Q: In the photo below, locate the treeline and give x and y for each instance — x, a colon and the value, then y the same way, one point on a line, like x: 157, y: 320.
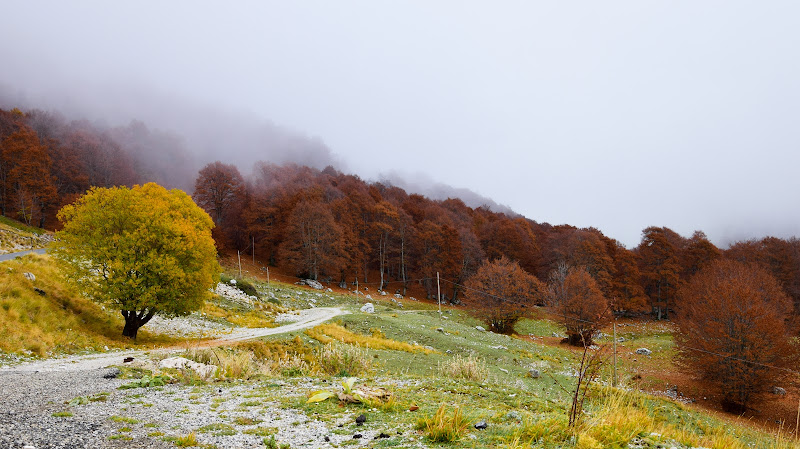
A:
x: 337, y: 227
x: 47, y: 161
x: 328, y: 225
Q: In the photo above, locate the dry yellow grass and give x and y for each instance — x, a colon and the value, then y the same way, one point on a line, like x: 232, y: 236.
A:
x: 58, y: 320
x: 326, y: 333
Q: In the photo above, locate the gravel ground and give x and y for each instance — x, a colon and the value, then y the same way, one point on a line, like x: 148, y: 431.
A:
x: 226, y: 415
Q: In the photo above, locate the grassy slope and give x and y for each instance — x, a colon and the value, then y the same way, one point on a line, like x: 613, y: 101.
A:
x: 58, y: 321
x: 521, y: 411
x: 15, y: 236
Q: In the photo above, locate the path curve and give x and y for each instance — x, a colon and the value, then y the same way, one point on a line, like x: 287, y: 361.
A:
x: 10, y: 256
x: 307, y: 318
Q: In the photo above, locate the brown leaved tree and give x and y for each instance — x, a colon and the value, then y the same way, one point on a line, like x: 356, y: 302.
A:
x: 578, y: 301
x: 732, y: 331
x: 502, y: 292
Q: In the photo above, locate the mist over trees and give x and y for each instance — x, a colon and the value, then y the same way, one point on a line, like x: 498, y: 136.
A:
x: 382, y: 233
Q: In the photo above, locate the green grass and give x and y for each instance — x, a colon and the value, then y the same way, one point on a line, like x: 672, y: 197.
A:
x: 19, y: 226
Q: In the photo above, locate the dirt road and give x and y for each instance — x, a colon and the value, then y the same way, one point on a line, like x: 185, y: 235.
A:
x: 306, y: 318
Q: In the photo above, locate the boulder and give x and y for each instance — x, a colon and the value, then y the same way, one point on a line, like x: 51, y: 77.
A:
x: 29, y: 276
x: 534, y: 373
x: 233, y: 281
x: 368, y: 297
x: 201, y: 369
x: 313, y: 284
x: 779, y: 391
x: 644, y: 351
x: 481, y: 425
x: 368, y: 308
x: 480, y: 329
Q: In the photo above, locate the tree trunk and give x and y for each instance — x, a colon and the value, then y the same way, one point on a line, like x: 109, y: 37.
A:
x: 134, y: 320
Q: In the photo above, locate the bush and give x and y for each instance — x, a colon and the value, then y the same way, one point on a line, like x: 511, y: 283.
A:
x: 243, y: 285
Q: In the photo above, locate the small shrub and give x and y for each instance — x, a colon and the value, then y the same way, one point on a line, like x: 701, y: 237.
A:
x: 186, y: 440
x: 444, y: 428
x: 62, y: 414
x: 147, y: 381
x: 343, y: 360
x: 469, y: 368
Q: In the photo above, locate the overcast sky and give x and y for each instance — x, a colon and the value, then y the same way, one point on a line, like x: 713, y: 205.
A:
x: 612, y: 114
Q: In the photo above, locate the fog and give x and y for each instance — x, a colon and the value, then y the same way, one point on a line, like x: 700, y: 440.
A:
x: 617, y: 115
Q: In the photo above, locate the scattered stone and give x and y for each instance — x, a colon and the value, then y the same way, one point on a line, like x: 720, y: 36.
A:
x: 368, y: 307
x: 329, y: 290
x: 112, y: 373
x: 201, y: 369
x: 383, y: 293
x: 413, y: 408
x: 361, y: 419
x: 644, y: 351
x: 499, y: 347
x: 534, y: 373
x: 233, y: 281
x: 382, y: 435
x: 504, y: 370
x: 127, y: 360
x: 481, y: 425
x: 480, y: 329
x: 449, y: 351
x: 779, y: 391
x: 357, y: 436
x: 29, y: 276
x: 398, y: 296
x: 39, y: 291
x: 440, y: 329
x: 621, y: 340
x: 368, y: 296
x: 327, y: 439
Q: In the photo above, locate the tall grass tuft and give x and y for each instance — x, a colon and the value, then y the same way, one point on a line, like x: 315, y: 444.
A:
x: 343, y: 360
x: 469, y: 368
x: 444, y: 428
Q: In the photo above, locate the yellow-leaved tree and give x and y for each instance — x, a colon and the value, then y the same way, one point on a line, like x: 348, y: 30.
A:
x: 146, y: 251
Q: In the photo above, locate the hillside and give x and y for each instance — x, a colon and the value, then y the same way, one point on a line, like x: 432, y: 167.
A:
x: 15, y: 236
x: 519, y: 385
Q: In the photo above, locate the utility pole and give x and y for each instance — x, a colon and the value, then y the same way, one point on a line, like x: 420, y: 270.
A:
x: 239, y: 257
x: 439, y: 295
x: 254, y: 250
x: 614, y: 380
x: 267, y: 275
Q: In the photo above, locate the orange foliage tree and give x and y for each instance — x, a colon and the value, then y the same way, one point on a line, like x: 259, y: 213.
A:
x: 732, y: 331
x: 502, y: 293
x: 313, y: 241
x: 578, y: 301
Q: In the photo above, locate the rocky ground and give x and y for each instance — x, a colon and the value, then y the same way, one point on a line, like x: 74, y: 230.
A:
x: 86, y: 409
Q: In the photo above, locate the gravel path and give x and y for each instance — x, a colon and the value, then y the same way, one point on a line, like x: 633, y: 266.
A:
x: 139, y: 418
x: 302, y: 319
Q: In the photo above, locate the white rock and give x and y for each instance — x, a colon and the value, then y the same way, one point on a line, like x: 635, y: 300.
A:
x: 368, y: 308
x: 368, y: 297
x: 480, y: 328
x: 29, y: 276
x: 233, y: 281
x: 644, y: 351
x: 201, y: 369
